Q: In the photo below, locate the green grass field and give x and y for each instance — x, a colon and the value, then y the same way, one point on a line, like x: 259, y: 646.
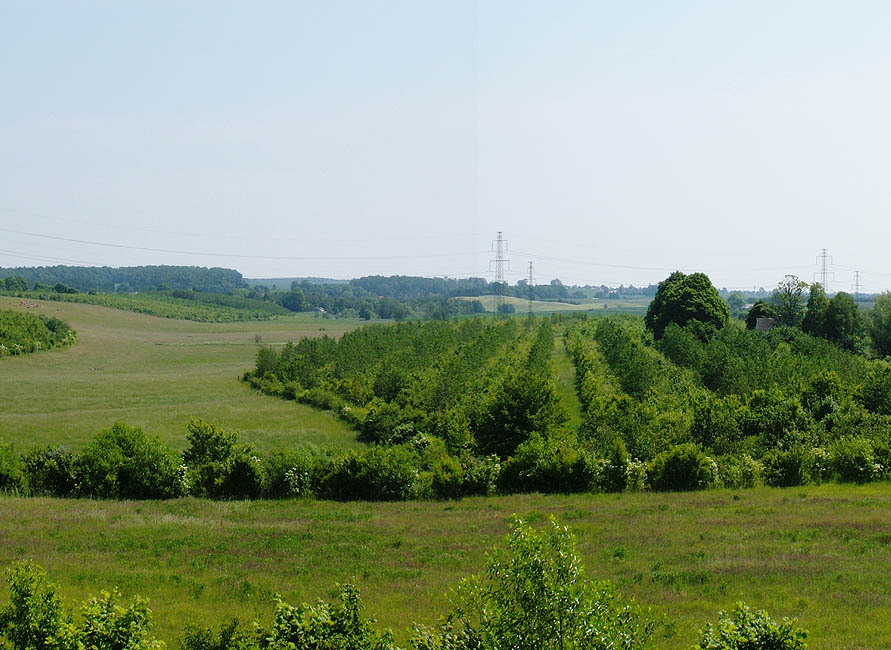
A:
x: 155, y: 373
x: 820, y: 554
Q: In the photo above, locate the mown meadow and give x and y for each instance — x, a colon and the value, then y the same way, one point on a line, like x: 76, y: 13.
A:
x: 817, y: 553
x: 155, y: 373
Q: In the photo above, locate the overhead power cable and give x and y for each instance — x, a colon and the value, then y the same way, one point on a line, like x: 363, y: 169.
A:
x: 308, y: 258
x: 217, y: 235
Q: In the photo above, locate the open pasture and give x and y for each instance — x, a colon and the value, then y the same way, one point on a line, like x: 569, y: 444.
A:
x: 816, y: 553
x: 155, y: 373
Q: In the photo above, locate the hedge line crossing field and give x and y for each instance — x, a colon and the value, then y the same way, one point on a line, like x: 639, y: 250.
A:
x: 158, y: 374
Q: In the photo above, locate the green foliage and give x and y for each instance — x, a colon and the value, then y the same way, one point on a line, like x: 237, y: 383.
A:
x: 122, y: 462
x: 218, y: 467
x: 11, y: 476
x: 788, y: 467
x: 788, y: 300
x: 744, y: 629
x: 761, y: 309
x: 547, y: 465
x: 375, y: 474
x: 34, y: 618
x: 814, y: 322
x: 294, y: 300
x: 681, y: 298
x: 683, y: 467
x: 231, y: 636
x: 109, y: 626
x: 880, y: 324
x: 842, y: 322
x: 21, y: 333
x: 49, y: 471
x: 534, y: 596
x: 524, y: 404
x: 614, y: 474
x: 179, y: 304
x: 875, y: 393
x: 852, y: 460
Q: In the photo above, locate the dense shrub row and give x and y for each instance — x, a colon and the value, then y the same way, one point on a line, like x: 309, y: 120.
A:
x: 533, y: 595
x: 179, y: 304
x: 781, y: 407
x: 124, y: 463
x: 21, y: 332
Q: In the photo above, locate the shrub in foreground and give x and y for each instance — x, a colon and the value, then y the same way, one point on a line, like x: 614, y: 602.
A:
x: 534, y: 595
x: 683, y: 467
x: 744, y: 629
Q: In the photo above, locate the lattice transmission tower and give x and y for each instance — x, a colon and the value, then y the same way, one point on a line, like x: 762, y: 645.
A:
x: 499, y: 246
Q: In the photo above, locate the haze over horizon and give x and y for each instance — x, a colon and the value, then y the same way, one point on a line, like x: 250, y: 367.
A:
x: 611, y: 144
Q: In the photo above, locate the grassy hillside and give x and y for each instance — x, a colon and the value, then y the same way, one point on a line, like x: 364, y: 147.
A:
x: 155, y: 373
x: 816, y: 553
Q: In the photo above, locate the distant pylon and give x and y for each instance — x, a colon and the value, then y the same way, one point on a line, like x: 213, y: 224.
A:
x: 823, y: 260
x: 531, y: 284
x: 499, y: 245
x: 856, y: 285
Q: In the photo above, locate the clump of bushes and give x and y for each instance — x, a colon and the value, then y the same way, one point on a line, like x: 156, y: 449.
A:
x: 744, y: 629
x: 683, y: 467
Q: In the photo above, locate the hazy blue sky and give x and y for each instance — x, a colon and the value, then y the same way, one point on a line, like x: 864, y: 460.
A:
x: 611, y: 142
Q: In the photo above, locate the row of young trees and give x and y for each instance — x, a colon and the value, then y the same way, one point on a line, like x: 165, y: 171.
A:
x: 533, y: 595
x: 21, y: 333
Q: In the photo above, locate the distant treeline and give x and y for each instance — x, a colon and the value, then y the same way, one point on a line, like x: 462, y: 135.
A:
x: 132, y: 278
x: 21, y: 333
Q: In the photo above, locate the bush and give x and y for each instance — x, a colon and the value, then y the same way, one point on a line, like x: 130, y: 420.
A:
x: 323, y: 627
x: 122, y: 462
x: 481, y: 474
x: 11, y: 476
x: 108, y: 626
x: 852, y: 460
x: 547, y: 465
x: 375, y: 474
x: 34, y: 618
x: 533, y: 595
x: 614, y: 472
x: 739, y: 471
x: 744, y: 629
x: 787, y: 468
x: 218, y: 467
x: 448, y: 477
x: 49, y: 471
x: 289, y: 474
x: 683, y: 467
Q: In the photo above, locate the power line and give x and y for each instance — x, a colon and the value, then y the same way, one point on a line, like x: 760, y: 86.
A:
x: 239, y: 256
x: 216, y: 235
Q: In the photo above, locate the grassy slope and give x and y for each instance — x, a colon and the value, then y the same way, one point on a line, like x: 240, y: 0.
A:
x: 156, y: 373
x: 816, y: 553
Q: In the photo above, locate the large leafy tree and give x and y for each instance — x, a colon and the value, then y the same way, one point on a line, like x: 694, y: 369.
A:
x: 788, y: 299
x: 681, y: 298
x: 843, y: 324
x: 814, y: 322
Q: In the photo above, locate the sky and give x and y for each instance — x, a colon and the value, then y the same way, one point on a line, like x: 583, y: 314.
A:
x: 611, y: 142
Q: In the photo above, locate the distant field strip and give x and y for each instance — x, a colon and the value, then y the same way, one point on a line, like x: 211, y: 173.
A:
x: 158, y: 374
